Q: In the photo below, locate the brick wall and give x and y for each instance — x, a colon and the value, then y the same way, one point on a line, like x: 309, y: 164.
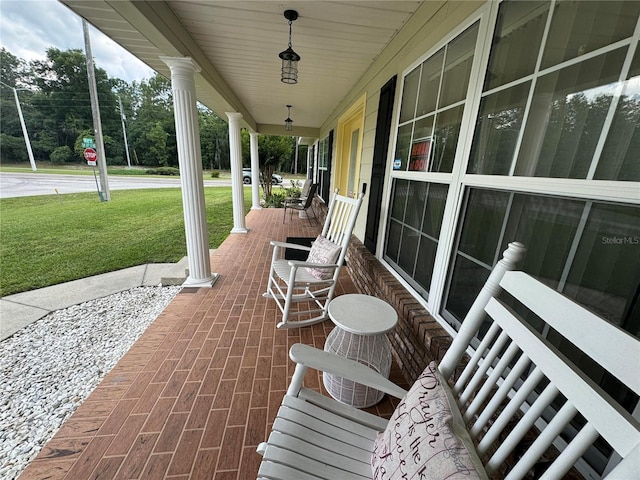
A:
x: 418, y: 338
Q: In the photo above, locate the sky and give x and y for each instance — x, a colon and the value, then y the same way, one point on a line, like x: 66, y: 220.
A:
x: 29, y: 27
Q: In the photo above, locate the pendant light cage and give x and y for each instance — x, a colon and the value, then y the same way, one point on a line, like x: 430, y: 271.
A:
x: 288, y: 123
x: 290, y: 59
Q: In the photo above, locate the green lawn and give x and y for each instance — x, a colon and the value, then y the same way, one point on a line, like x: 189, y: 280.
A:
x: 45, y: 240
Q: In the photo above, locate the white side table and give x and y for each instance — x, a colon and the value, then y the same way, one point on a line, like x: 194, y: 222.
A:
x: 361, y: 324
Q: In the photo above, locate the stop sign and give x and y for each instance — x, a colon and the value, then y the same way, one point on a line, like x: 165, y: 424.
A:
x: 91, y: 156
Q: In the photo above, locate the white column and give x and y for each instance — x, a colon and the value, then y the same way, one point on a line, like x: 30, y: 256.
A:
x: 183, y: 71
x: 255, y: 173
x: 237, y: 189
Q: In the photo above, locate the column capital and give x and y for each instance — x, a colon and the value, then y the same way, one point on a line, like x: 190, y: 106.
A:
x: 181, y: 64
x: 233, y: 116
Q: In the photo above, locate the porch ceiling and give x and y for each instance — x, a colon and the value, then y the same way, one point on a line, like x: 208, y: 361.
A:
x: 236, y: 43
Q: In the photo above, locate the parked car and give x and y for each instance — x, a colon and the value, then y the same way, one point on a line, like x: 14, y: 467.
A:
x: 246, y: 177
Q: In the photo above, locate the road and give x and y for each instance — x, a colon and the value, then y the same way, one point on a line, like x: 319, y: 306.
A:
x: 30, y: 184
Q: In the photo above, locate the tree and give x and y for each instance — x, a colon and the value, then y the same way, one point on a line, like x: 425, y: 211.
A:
x: 62, y: 105
x: 272, y: 151
x: 157, y: 144
x: 153, y: 106
x: 214, y: 140
x: 12, y: 70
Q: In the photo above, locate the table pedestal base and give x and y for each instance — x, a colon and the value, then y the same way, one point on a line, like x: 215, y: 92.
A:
x: 371, y: 350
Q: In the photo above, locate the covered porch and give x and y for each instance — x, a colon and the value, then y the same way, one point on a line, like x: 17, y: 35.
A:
x: 199, y: 390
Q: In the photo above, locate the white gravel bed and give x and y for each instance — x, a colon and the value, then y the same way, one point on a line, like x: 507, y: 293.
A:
x: 50, y: 367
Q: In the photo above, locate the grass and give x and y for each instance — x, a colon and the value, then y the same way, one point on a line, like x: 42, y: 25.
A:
x: 45, y: 240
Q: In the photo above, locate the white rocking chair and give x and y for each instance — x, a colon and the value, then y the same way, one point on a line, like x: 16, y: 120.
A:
x: 293, y: 281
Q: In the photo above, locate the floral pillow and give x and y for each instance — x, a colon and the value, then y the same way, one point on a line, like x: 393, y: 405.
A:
x: 425, y: 439
x: 323, y: 251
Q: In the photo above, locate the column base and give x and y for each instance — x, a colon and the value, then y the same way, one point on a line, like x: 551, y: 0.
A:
x: 256, y: 208
x: 239, y: 230
x: 201, y: 282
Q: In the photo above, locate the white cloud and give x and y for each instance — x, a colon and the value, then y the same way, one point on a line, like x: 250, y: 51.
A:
x: 29, y: 27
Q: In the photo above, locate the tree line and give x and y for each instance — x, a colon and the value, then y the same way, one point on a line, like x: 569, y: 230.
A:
x: 54, y: 97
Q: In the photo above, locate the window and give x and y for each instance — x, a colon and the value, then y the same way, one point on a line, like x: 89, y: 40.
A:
x: 586, y: 250
x: 324, y: 166
x: 433, y: 100
x: 414, y: 229
x: 550, y: 117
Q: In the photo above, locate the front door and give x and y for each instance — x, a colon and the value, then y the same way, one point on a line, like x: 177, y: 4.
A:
x: 350, y: 128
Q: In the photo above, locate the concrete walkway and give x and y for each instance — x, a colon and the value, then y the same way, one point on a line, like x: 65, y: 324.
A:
x: 21, y: 309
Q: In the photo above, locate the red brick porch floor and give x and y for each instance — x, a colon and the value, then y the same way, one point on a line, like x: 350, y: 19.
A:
x: 197, y: 393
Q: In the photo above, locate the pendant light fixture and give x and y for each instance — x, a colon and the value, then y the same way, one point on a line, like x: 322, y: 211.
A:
x: 288, y: 123
x: 289, y: 58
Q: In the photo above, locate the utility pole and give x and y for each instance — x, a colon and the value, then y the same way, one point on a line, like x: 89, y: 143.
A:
x: 24, y: 127
x: 124, y: 132
x: 105, y: 195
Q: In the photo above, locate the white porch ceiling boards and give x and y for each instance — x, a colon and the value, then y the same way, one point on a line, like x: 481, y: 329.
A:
x: 237, y: 44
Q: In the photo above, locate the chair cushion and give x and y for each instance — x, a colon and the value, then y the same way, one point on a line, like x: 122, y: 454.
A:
x: 425, y: 437
x: 323, y: 251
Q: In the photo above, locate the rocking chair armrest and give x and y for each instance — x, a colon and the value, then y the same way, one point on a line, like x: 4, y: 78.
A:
x: 301, y: 264
x: 275, y: 243
x: 350, y: 369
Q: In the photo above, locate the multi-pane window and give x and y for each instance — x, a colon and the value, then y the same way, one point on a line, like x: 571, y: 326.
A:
x: 433, y: 100
x: 414, y: 229
x: 324, y: 167
x: 587, y: 250
x: 567, y: 106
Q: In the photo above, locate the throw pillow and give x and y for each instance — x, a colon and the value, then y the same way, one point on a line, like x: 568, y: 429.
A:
x: 424, y: 439
x: 323, y: 251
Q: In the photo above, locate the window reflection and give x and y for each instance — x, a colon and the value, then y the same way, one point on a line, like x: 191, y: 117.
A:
x: 516, y: 42
x: 445, y: 140
x: 586, y: 250
x: 621, y: 154
x: 497, y: 131
x: 430, y: 84
x: 409, y: 93
x: 578, y: 28
x: 567, y: 113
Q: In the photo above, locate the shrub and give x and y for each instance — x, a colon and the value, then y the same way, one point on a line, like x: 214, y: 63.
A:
x: 61, y: 155
x: 12, y: 149
x: 164, y: 171
x: 276, y: 199
x: 215, y: 174
x: 126, y: 171
x: 294, y: 191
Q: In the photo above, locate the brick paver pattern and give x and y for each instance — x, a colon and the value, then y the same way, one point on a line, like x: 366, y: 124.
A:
x: 199, y: 390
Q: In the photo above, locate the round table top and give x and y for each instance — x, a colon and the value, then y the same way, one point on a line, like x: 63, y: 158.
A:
x: 362, y: 314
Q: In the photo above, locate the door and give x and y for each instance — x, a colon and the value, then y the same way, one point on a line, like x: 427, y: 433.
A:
x: 350, y: 133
